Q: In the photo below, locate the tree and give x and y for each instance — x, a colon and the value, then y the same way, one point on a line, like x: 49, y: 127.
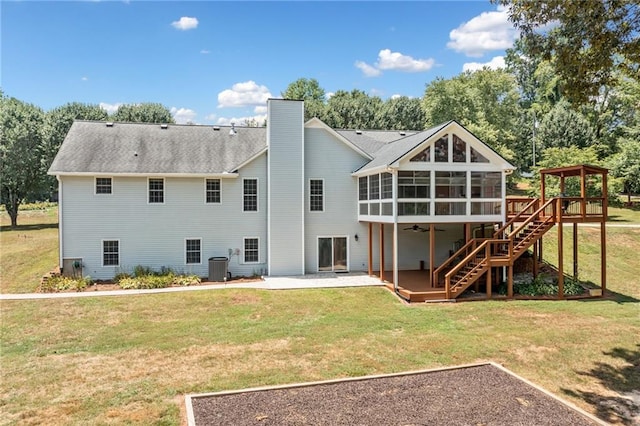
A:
x: 309, y: 91
x: 402, y: 113
x: 564, y: 127
x: 486, y: 102
x: 587, y: 41
x: 146, y: 112
x: 21, y: 137
x: 626, y: 165
x: 353, y: 110
x: 58, y: 123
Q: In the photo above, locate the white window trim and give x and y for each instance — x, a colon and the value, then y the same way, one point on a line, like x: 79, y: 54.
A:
x: 205, y: 191
x: 185, y: 250
x: 164, y: 190
x: 95, y: 186
x: 244, y: 261
x: 102, y: 252
x: 257, y: 195
x: 323, y: 196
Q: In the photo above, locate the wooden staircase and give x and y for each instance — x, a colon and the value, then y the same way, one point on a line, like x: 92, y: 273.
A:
x: 479, y: 255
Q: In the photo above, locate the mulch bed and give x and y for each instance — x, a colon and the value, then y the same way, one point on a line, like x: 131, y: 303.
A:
x: 474, y: 395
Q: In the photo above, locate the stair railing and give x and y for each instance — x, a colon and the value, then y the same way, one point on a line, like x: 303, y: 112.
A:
x: 536, y: 216
x: 479, y: 252
x: 471, y: 245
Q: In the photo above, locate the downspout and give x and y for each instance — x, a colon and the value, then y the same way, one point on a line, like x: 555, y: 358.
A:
x: 59, y: 179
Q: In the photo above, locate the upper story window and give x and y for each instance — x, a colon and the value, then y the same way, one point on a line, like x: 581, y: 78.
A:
x: 193, y: 251
x: 423, y: 157
x: 212, y: 191
x: 374, y: 187
x: 316, y: 195
x: 386, y: 185
x: 156, y: 190
x: 476, y: 157
x: 441, y: 150
x: 459, y: 150
x: 486, y: 185
x: 363, y: 189
x: 451, y: 184
x: 414, y: 184
x: 250, y: 195
x: 103, y: 185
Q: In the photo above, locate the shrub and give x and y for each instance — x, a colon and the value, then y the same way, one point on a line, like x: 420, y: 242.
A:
x: 59, y: 283
x: 543, y: 285
x: 146, y: 282
x: 186, y: 280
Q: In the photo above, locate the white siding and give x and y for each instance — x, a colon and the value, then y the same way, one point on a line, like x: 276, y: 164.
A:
x: 154, y: 235
x: 331, y: 160
x: 286, y: 187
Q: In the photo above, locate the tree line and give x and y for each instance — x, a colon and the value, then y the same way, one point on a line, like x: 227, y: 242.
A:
x: 568, y: 95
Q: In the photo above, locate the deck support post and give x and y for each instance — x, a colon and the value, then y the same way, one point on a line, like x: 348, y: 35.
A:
x: 370, y: 246
x: 395, y: 255
x: 575, y: 250
x: 381, y: 243
x: 534, y: 260
x: 489, y: 282
x: 603, y: 235
x: 432, y: 253
x: 510, y: 281
x: 560, y: 247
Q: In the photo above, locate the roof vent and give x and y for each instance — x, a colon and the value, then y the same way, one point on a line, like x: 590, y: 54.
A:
x: 216, y: 128
x: 164, y: 126
x: 403, y: 133
x: 358, y: 132
x: 109, y: 123
x: 233, y: 131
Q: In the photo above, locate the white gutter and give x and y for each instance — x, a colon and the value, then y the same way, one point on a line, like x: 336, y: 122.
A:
x: 223, y: 175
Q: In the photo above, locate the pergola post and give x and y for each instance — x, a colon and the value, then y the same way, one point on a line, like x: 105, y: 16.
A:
x: 603, y: 234
x: 560, y: 248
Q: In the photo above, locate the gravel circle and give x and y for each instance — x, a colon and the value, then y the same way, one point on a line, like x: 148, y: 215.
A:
x: 476, y: 395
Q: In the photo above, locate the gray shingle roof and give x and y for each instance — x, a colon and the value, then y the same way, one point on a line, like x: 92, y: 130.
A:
x: 370, y: 141
x: 94, y: 147
x: 392, y: 151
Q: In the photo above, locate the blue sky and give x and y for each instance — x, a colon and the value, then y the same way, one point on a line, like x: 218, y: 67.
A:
x: 214, y: 62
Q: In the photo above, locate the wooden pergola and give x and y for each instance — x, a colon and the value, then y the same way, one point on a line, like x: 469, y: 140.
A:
x: 582, y: 209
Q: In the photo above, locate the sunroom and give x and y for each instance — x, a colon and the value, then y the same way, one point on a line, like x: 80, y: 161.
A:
x: 434, y: 191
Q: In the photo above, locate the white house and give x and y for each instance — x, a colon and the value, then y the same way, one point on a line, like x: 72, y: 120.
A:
x: 288, y: 199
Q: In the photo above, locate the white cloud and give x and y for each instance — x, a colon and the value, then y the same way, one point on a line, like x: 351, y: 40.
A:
x: 110, y: 108
x: 183, y: 115
x: 205, y: 51
x: 260, y: 109
x: 240, y: 121
x: 388, y: 60
x: 396, y: 96
x: 368, y: 70
x: 328, y: 95
x: 244, y: 94
x: 496, y: 63
x: 185, y: 23
x: 484, y: 33
x: 85, y: 79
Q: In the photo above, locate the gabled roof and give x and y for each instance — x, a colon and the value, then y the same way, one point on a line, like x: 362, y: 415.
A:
x: 370, y: 141
x: 93, y: 147
x: 393, y: 151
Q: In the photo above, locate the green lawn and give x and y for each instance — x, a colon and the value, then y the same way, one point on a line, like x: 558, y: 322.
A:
x: 129, y: 360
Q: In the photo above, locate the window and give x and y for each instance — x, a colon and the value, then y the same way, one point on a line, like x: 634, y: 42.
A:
x: 374, y: 187
x: 362, y: 189
x: 110, y: 253
x: 103, y: 185
x: 156, y: 190
x: 451, y: 184
x: 251, y: 254
x: 486, y: 185
x: 459, y: 150
x: 476, y: 157
x: 316, y: 195
x: 422, y: 157
x: 212, y: 191
x: 441, y: 149
x: 387, y: 185
x: 250, y: 197
x: 192, y: 251
x: 414, y: 184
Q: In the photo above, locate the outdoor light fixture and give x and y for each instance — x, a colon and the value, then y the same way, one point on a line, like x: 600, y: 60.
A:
x: 356, y: 237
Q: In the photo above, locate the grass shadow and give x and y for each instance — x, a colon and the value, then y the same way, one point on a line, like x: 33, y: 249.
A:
x: 624, y: 380
x: 30, y: 227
